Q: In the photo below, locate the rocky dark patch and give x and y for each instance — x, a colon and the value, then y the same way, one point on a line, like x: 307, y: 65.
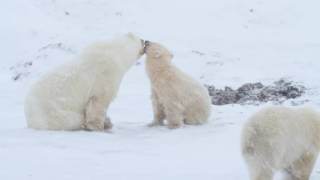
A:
x: 23, y: 68
x: 256, y: 93
x: 18, y: 70
x: 58, y: 46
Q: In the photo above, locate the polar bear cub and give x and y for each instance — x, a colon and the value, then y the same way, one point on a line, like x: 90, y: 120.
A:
x: 281, y: 139
x: 175, y: 97
x: 76, y: 96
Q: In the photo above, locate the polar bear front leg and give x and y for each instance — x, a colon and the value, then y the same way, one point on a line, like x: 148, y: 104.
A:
x: 174, y: 116
x: 95, y: 119
x: 158, y: 111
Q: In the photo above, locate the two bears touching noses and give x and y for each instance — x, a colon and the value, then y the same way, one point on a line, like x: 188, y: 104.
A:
x: 77, y: 96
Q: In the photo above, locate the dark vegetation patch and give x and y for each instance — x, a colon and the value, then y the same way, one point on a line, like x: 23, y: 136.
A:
x: 256, y: 93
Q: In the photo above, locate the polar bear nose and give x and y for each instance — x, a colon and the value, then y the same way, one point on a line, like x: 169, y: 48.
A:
x: 146, y: 43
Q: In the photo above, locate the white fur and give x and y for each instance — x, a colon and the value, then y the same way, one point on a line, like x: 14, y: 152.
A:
x: 281, y: 139
x: 176, y: 97
x: 76, y: 96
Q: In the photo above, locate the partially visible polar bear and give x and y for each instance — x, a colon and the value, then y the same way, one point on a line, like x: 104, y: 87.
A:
x: 176, y: 96
x: 76, y: 96
x: 281, y: 139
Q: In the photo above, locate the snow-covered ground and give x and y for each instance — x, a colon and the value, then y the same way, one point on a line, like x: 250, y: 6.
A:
x: 219, y: 42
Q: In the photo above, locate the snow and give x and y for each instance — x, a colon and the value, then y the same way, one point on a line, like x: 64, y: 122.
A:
x: 223, y: 43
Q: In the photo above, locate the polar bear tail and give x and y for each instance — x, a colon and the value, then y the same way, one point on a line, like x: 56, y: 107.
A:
x: 32, y: 115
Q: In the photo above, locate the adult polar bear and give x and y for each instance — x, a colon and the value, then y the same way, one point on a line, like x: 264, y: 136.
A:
x: 76, y: 96
x: 280, y: 138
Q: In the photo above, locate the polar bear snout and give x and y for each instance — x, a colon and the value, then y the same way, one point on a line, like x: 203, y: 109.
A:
x: 146, y: 44
x: 151, y: 48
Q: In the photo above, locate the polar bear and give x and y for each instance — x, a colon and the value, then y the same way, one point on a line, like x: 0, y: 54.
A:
x: 281, y: 139
x: 175, y: 97
x: 77, y: 95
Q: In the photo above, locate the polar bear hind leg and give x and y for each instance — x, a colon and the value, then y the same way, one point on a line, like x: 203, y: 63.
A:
x: 195, y: 120
x: 40, y: 116
x: 64, y: 120
x: 262, y: 174
x: 174, y: 117
x: 301, y: 169
x: 259, y: 172
x: 196, y: 116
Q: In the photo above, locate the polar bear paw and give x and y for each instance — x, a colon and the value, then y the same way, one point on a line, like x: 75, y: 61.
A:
x: 156, y: 123
x: 93, y: 126
x: 174, y: 125
x: 107, y: 123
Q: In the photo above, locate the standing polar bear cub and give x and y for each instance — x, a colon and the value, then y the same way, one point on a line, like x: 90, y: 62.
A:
x: 76, y: 96
x: 176, y: 97
x: 281, y: 139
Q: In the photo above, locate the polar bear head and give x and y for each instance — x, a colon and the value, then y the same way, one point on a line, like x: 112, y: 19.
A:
x: 127, y: 46
x: 138, y: 42
x: 157, y: 51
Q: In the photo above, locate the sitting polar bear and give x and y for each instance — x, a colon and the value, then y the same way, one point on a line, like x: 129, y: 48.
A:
x: 76, y: 96
x: 281, y: 138
x: 176, y: 97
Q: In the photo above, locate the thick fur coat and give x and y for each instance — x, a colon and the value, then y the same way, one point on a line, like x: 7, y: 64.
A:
x: 281, y: 139
x: 176, y: 96
x: 77, y: 95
